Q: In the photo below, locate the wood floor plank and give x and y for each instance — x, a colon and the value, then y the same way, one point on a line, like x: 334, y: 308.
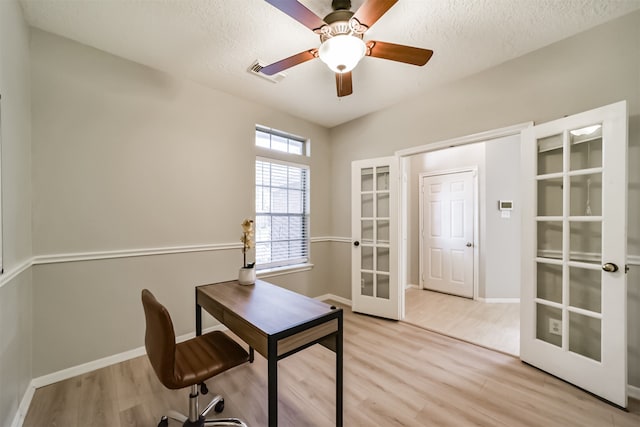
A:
x: 395, y: 375
x: 492, y: 325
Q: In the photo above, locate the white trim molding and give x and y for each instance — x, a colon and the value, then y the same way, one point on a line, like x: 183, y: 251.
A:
x: 333, y: 239
x: 129, y: 253
x: 279, y: 271
x: 15, y: 272
x: 106, y: 361
x: 467, y: 139
x: 84, y: 368
x: 167, y: 250
x: 21, y: 414
x: 633, y: 259
x: 499, y: 300
x: 336, y: 298
x: 633, y: 391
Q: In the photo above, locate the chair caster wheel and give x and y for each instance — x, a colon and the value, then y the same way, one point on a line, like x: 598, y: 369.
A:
x: 203, y: 388
x: 219, y: 406
x: 164, y: 422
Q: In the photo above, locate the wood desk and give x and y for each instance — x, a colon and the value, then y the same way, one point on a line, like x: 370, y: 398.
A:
x: 276, y: 323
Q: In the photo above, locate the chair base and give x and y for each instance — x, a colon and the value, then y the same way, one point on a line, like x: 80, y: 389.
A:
x: 201, y: 422
x: 195, y: 420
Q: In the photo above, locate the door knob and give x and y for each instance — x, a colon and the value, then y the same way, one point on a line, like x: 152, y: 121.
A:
x: 610, y: 267
x: 469, y: 244
x: 356, y: 243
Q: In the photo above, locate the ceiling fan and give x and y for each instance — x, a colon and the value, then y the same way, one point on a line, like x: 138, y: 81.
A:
x: 341, y: 35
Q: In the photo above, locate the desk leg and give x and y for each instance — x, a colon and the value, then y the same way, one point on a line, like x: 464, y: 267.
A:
x: 339, y: 369
x: 198, y: 320
x: 272, y: 382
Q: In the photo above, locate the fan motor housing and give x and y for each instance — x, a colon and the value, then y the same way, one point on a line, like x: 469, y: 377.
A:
x: 338, y: 15
x: 341, y: 4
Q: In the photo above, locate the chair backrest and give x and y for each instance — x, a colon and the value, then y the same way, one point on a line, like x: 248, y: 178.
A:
x: 159, y: 338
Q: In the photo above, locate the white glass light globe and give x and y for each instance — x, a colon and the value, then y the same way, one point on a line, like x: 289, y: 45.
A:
x: 342, y: 53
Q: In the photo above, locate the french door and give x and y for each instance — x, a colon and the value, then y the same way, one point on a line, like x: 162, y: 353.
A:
x: 374, y: 262
x: 574, y: 289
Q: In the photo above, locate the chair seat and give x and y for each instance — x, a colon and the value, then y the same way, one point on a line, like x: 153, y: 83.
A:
x: 200, y: 358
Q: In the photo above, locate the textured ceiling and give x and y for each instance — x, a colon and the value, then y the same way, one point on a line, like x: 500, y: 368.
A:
x: 214, y: 42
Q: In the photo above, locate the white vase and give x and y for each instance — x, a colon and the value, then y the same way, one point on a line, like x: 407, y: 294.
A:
x: 247, y: 276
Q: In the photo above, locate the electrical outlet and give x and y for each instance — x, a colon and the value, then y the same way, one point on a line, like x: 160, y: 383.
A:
x: 555, y: 326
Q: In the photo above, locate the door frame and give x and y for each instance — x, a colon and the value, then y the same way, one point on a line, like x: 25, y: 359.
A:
x: 402, y: 207
x: 476, y: 223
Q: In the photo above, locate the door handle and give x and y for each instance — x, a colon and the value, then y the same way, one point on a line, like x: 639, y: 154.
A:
x: 610, y: 267
x: 356, y: 243
x: 469, y: 244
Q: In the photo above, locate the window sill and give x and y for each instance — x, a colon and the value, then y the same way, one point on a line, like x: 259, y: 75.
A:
x: 279, y: 271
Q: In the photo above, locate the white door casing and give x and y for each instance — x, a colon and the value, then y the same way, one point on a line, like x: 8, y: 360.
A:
x: 573, y: 306
x: 374, y: 189
x: 447, y: 232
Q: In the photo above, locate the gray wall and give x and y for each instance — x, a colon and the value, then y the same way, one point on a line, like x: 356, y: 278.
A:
x: 452, y: 158
x: 502, y: 236
x: 15, y: 138
x: 561, y: 79
x: 498, y: 238
x: 126, y: 158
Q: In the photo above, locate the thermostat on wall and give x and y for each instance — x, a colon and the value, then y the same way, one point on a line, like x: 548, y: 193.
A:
x: 505, y: 205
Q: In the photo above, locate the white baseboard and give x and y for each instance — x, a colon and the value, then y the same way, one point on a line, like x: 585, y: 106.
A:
x: 23, y: 408
x: 104, y: 362
x: 633, y: 391
x: 499, y: 300
x: 335, y: 298
x: 411, y: 286
x: 18, y: 420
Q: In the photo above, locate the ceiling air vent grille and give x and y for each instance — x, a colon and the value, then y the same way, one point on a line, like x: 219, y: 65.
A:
x: 257, y: 66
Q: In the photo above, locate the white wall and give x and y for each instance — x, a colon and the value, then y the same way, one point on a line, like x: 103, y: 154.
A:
x: 126, y: 158
x: 15, y: 282
x: 561, y: 79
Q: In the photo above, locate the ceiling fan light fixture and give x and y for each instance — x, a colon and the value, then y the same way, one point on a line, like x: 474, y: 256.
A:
x: 342, y: 53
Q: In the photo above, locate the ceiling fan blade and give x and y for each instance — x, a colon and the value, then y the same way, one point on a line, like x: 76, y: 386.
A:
x: 398, y: 52
x: 289, y: 62
x: 298, y: 12
x: 343, y: 84
x: 372, y: 10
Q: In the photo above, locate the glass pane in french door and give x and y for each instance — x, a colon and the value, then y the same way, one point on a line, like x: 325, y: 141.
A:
x: 569, y: 241
x: 374, y: 197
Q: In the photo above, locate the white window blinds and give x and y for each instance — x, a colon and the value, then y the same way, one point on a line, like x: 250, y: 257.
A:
x: 282, y: 214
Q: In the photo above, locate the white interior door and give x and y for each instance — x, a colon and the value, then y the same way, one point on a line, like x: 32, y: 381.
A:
x: 447, y: 218
x: 574, y: 289
x: 374, y: 232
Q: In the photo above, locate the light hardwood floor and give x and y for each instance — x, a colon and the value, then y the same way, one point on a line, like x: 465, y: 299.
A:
x: 395, y: 375
x: 492, y: 325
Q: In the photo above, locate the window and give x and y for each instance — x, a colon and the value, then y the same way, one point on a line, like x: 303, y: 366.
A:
x: 282, y: 204
x: 280, y: 141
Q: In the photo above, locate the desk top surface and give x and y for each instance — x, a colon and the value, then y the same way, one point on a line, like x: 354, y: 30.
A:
x: 268, y: 307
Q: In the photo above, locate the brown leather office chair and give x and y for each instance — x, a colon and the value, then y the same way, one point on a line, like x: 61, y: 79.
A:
x: 188, y: 363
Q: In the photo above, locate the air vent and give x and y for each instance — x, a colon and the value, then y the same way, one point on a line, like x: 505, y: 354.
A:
x: 258, y: 65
